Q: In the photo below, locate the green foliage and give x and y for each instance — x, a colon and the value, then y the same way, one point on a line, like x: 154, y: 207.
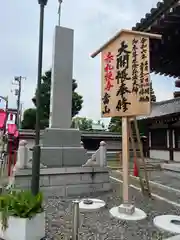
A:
x: 29, y: 120
x: 101, y: 123
x: 77, y: 102
x: 29, y: 117
x: 20, y: 204
x: 82, y: 123
x: 152, y: 94
x: 115, y: 122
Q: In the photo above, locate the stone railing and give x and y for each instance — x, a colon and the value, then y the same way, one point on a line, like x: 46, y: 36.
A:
x: 22, y: 162
x: 98, y: 158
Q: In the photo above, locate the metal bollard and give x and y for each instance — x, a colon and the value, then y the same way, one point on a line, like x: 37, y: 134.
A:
x: 75, y: 223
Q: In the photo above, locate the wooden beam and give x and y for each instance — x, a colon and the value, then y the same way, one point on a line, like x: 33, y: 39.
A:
x: 172, y: 22
x: 169, y: 55
x: 176, y: 94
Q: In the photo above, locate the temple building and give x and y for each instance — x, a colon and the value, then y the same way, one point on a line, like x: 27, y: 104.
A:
x: 163, y: 130
x: 163, y: 125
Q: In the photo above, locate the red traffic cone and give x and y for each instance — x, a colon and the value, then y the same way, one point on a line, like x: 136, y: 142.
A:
x: 135, y: 169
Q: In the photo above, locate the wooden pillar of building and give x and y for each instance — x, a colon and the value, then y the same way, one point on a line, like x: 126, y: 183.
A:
x: 145, y: 142
x: 149, y: 141
x: 170, y: 142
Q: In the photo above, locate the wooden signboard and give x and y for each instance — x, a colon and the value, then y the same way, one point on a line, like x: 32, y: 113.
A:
x: 125, y: 70
x: 126, y: 86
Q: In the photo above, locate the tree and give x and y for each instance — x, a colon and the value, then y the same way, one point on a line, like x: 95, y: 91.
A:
x: 115, y: 122
x: 29, y: 117
x: 83, y: 124
x: 101, y: 123
x: 77, y: 100
x: 152, y: 94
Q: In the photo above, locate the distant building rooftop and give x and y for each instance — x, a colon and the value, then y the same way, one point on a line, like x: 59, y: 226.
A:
x: 98, y: 127
x: 164, y: 108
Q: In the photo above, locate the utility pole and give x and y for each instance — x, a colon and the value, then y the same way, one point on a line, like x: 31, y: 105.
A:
x: 18, y: 94
x: 21, y: 110
x: 18, y: 83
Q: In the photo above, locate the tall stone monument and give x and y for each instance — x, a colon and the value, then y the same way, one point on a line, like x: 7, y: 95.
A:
x: 60, y: 144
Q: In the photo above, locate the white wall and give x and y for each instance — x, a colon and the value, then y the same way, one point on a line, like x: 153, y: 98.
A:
x: 159, y: 154
x: 176, y: 156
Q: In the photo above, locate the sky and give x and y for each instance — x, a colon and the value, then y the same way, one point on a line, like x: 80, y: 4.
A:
x: 94, y: 22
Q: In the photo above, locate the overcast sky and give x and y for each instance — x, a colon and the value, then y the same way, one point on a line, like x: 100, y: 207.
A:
x: 94, y: 22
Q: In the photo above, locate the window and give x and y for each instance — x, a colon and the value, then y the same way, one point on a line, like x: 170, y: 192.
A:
x: 159, y: 138
x: 177, y: 137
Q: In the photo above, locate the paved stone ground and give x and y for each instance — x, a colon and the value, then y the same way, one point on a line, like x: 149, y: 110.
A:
x: 166, y: 193
x: 100, y: 225
x: 168, y: 178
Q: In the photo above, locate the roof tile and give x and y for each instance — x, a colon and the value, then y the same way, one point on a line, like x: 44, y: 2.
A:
x: 163, y: 108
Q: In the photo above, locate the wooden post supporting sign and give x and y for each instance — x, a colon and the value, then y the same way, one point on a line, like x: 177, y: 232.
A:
x: 125, y: 158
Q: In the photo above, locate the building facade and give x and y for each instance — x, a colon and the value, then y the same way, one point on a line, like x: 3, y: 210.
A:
x: 163, y: 130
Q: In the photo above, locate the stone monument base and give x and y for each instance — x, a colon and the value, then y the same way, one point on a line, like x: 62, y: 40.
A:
x: 72, y: 181
x: 62, y: 148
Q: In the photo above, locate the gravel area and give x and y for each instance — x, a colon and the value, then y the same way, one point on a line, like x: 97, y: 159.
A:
x: 100, y: 225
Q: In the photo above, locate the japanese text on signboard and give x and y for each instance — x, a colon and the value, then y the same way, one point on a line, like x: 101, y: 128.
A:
x: 125, y: 77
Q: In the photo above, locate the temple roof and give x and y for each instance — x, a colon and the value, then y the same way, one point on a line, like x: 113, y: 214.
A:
x: 164, y: 108
x: 154, y: 15
x: 165, y: 20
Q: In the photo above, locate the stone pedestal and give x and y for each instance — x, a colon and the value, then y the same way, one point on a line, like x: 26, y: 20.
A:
x: 62, y: 148
x: 128, y: 213
x: 61, y: 145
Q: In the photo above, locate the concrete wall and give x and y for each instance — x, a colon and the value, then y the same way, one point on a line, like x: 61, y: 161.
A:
x: 68, y: 181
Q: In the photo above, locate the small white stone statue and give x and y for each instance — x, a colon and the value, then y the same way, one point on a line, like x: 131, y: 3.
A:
x: 29, y: 164
x: 22, y: 157
x: 92, y: 161
x: 98, y: 158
